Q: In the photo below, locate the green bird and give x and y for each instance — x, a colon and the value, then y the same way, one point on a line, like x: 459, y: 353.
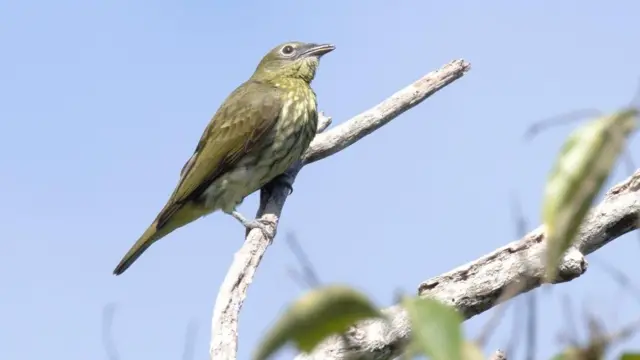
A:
x: 262, y: 128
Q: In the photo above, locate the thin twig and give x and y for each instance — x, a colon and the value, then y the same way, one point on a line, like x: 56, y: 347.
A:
x: 620, y: 278
x: 108, y: 313
x: 571, y: 330
x: 511, y: 290
x: 188, y: 353
x: 557, y: 120
x: 530, y: 298
x: 532, y: 328
x: 516, y: 328
x: 307, y: 272
x: 514, y: 288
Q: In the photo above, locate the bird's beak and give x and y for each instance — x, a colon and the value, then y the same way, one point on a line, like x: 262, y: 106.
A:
x: 318, y: 50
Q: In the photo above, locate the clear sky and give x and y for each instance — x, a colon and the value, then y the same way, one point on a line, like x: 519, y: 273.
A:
x: 101, y: 102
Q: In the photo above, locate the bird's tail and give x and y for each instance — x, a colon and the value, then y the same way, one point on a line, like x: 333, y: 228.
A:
x: 183, y: 216
x: 151, y: 235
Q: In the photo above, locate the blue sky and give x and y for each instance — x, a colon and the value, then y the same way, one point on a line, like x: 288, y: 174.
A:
x: 103, y: 101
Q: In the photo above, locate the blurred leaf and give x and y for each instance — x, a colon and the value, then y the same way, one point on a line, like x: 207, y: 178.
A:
x: 471, y: 351
x: 321, y: 312
x: 630, y: 356
x: 560, y: 356
x: 584, y: 163
x: 571, y: 353
x: 591, y: 352
x: 436, y: 328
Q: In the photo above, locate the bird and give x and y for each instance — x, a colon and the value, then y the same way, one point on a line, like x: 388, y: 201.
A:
x: 262, y: 128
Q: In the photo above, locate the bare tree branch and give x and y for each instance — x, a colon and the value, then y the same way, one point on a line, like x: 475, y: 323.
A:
x: 224, y: 327
x: 367, y: 122
x: 475, y: 287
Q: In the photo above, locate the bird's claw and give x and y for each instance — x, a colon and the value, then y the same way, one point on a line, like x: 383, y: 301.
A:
x: 262, y: 224
x: 285, y: 180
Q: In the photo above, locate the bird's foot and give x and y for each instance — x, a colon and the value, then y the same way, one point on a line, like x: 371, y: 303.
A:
x: 285, y: 179
x: 261, y: 224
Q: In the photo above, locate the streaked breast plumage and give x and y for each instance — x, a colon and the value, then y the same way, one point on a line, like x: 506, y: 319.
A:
x: 278, y: 151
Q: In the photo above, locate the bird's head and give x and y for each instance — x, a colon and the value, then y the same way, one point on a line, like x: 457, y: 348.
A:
x: 292, y: 60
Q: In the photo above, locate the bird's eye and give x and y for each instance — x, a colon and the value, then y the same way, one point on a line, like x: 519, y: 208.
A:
x: 287, y: 50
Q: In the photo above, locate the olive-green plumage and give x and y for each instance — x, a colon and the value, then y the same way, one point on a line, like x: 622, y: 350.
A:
x: 260, y: 130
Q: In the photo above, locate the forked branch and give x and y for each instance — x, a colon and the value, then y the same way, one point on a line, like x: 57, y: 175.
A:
x: 233, y: 291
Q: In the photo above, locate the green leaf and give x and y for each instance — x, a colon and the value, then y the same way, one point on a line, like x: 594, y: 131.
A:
x: 561, y: 356
x: 436, y: 329
x: 471, y: 351
x: 318, y: 314
x: 630, y: 356
x: 584, y: 163
x: 579, y: 353
x: 572, y: 353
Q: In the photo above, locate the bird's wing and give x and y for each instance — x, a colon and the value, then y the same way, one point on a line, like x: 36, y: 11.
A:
x: 240, y: 123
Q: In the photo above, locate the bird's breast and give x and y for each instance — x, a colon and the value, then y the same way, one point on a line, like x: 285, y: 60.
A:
x: 292, y: 133
x: 298, y: 122
x: 281, y: 148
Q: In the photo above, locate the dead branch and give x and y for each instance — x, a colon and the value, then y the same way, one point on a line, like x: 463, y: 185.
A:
x: 233, y: 291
